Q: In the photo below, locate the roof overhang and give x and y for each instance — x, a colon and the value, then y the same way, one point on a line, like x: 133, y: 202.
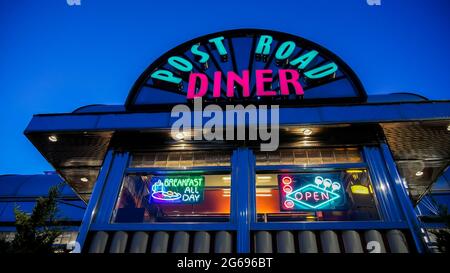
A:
x: 416, y: 132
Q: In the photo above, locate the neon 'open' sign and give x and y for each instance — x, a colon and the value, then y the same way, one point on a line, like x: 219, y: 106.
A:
x: 311, y: 192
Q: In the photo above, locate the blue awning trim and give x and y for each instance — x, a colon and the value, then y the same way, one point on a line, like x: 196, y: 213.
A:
x: 365, y: 113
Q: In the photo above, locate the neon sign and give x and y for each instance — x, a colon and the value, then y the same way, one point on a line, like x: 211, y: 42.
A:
x: 198, y: 83
x: 311, y: 192
x: 246, y: 65
x: 177, y: 189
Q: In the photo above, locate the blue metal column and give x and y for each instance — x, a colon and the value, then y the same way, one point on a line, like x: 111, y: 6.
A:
x: 241, y: 177
x: 402, y: 195
x: 91, y: 209
x: 388, y: 203
x: 112, y: 188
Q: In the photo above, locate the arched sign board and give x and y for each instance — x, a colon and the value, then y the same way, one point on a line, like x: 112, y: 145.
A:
x: 246, y: 66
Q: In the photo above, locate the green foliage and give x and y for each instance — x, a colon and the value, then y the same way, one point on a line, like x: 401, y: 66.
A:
x: 37, y: 231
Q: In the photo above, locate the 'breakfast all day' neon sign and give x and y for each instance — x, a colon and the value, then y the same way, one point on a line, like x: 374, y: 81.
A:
x: 177, y: 189
x: 311, y: 192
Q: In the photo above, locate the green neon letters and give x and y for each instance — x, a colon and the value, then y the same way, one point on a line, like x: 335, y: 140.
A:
x: 285, y: 50
x: 302, y: 61
x: 218, y: 43
x: 322, y: 71
x: 181, y: 67
x: 177, y: 189
x: 180, y: 64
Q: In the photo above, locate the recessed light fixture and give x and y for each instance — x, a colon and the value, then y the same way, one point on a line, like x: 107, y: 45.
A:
x: 419, y: 173
x: 448, y: 127
x: 84, y: 179
x: 52, y: 138
x: 180, y: 135
x: 263, y: 177
x: 307, y: 132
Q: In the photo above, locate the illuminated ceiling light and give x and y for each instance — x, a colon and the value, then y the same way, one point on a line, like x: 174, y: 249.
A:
x: 419, y: 173
x: 259, y: 190
x: 53, y: 138
x: 307, y: 132
x: 180, y: 136
x: 360, y: 189
x: 226, y: 178
x: 448, y: 127
x: 263, y: 177
x: 354, y: 171
x: 84, y: 179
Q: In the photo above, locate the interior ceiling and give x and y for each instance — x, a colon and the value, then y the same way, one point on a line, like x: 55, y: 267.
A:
x: 419, y: 147
x: 75, y: 156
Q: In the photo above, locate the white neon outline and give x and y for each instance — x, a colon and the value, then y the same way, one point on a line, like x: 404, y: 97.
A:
x: 289, y: 207
x: 287, y: 186
x: 162, y: 199
x: 288, y: 177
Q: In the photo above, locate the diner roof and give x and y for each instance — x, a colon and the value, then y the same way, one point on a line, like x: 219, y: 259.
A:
x: 415, y: 128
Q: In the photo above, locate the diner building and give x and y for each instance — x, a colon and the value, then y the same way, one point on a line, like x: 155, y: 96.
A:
x: 346, y: 176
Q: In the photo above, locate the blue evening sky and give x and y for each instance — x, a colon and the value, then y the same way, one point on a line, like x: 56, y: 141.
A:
x: 55, y: 58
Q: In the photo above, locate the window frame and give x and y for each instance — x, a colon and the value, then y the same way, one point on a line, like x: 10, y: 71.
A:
x: 121, y: 168
x: 395, y: 212
x: 272, y: 169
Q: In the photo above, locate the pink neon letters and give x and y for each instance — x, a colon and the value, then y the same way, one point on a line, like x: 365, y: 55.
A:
x: 288, y: 78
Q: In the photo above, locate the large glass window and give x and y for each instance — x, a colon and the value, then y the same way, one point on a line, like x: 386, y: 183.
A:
x: 344, y: 195
x: 173, y: 198
x: 155, y: 190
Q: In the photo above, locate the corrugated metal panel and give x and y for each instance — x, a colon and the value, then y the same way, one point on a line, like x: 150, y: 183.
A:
x: 287, y: 241
x: 161, y: 242
x: 419, y: 147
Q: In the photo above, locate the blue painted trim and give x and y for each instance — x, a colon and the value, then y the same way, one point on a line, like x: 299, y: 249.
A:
x: 402, y: 194
x: 240, y: 188
x: 387, y: 202
x: 7, y: 228
x: 352, y: 225
x: 362, y: 113
x: 91, y: 209
x: 165, y: 226
x: 112, y: 188
x: 63, y: 228
x: 433, y: 225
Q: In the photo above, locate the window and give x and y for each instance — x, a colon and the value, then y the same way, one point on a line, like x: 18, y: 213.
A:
x: 173, y: 198
x: 344, y: 195
x: 158, y: 193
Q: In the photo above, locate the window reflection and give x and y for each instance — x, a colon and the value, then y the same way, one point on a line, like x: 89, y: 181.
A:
x: 173, y: 198
x: 329, y: 196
